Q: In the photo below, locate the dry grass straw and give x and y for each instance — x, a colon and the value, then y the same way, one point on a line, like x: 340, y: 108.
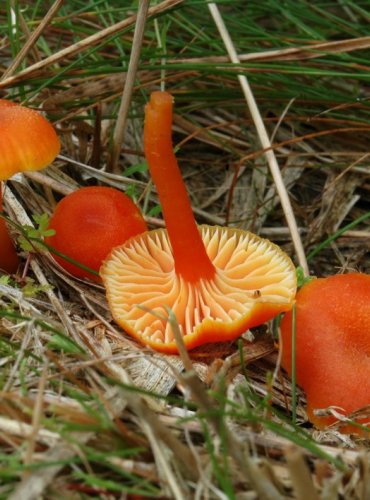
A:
x: 264, y: 139
x: 119, y: 130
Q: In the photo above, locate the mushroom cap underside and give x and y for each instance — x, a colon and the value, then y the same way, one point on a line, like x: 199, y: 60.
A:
x: 254, y: 281
x: 27, y: 140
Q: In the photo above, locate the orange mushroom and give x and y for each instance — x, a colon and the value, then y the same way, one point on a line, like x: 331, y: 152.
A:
x: 27, y: 142
x: 217, y: 281
x: 88, y: 223
x: 332, y: 348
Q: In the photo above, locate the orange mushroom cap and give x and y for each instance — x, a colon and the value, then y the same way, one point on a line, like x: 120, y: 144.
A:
x: 217, y: 281
x: 27, y: 140
x: 332, y: 344
x: 88, y: 223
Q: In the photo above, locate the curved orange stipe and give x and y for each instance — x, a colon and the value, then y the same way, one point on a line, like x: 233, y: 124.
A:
x: 191, y: 260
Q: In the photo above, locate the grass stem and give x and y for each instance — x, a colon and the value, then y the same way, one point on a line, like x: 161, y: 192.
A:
x: 264, y: 138
x: 130, y: 78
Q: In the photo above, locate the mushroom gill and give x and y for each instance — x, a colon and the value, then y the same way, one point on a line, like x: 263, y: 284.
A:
x: 254, y: 280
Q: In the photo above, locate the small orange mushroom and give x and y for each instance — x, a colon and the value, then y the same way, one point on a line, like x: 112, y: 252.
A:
x: 88, y: 223
x: 27, y: 142
x: 217, y: 281
x: 332, y: 346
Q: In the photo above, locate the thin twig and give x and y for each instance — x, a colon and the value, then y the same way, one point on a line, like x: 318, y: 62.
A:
x: 49, y: 182
x: 264, y: 139
x: 312, y: 50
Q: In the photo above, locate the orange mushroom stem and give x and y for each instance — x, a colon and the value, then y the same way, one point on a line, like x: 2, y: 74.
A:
x: 191, y: 259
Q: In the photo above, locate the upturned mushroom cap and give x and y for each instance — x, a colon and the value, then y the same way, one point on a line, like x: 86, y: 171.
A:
x: 254, y: 281
x: 27, y: 140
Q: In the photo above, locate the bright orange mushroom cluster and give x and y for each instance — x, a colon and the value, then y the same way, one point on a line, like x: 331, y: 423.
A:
x: 27, y: 142
x: 332, y: 348
x: 217, y: 281
x: 88, y: 223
